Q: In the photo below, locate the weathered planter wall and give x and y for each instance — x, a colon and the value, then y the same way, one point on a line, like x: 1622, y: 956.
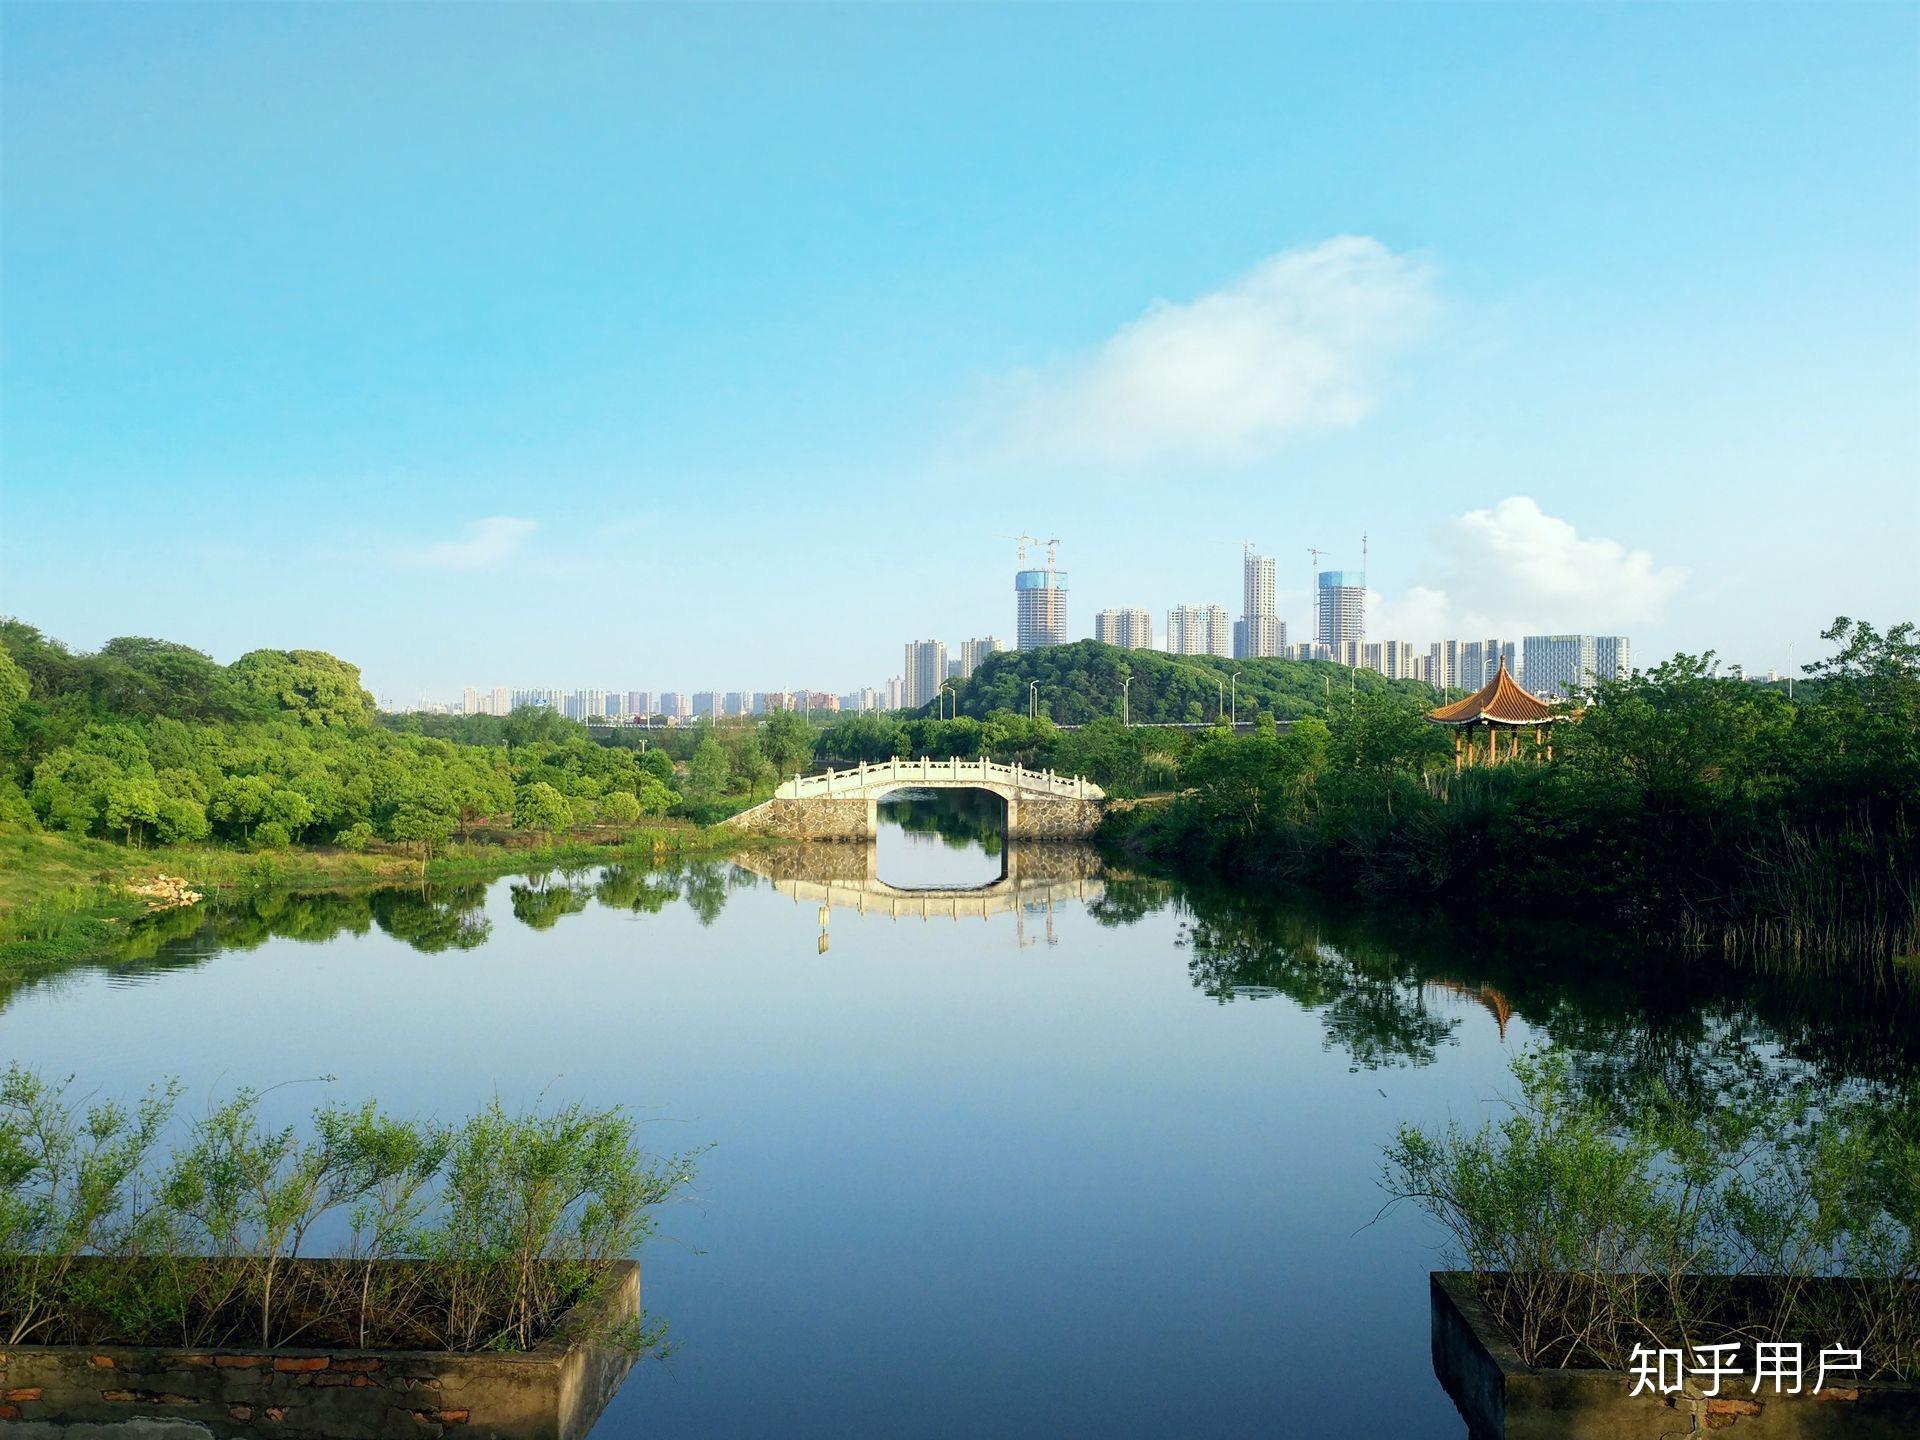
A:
x: 553, y: 1392
x: 1502, y: 1399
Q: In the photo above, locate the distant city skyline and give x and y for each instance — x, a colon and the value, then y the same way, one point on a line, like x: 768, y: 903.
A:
x: 693, y: 344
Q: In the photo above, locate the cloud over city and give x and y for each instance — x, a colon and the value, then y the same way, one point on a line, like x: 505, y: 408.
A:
x: 1298, y: 342
x: 487, y: 542
x: 1515, y: 568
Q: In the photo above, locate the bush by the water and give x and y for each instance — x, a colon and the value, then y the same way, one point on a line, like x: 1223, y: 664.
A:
x: 1594, y: 1226
x: 504, y: 1221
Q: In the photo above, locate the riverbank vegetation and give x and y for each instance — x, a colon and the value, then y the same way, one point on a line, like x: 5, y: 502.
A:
x: 276, y: 769
x: 501, y: 1222
x: 1593, y: 1226
x: 1684, y: 804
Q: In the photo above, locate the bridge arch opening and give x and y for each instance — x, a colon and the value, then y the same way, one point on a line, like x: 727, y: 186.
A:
x: 952, y: 838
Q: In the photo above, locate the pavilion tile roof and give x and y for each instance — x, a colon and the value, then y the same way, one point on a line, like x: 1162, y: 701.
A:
x: 1501, y: 701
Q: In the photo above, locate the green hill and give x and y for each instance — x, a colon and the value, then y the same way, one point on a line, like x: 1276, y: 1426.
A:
x: 1081, y: 682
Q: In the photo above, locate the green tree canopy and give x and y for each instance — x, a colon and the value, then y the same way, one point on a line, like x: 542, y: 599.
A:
x: 313, y: 686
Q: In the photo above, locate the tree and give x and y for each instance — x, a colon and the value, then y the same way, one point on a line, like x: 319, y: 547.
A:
x: 787, y: 738
x: 1669, y: 737
x: 707, y: 771
x: 541, y: 807
x: 425, y: 817
x: 133, y: 807
x: 180, y: 820
x: 13, y: 687
x: 290, y: 810
x: 620, y: 806
x: 241, y: 803
x: 311, y: 685
x: 69, y: 790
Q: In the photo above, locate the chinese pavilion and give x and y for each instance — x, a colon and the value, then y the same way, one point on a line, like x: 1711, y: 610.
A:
x: 1501, y: 705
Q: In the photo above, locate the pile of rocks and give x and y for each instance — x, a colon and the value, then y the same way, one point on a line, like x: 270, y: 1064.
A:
x: 165, y: 892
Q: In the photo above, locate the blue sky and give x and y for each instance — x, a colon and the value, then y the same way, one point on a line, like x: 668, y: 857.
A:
x: 724, y: 346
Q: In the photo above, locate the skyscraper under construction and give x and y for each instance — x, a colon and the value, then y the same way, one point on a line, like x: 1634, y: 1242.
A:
x: 1040, y: 600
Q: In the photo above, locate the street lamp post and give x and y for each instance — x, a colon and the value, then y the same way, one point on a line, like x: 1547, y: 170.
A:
x: 1033, y: 699
x: 1220, y: 701
x: 940, y: 696
x: 1233, y: 690
x: 1125, y: 683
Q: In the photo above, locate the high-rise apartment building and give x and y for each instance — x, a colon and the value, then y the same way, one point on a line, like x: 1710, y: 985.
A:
x: 896, y: 690
x: 925, y: 669
x: 1391, y: 658
x: 1259, y: 631
x: 1612, y: 657
x: 1040, y: 606
x: 1480, y: 661
x: 1340, y: 610
x: 973, y: 652
x: 1129, y: 629
x: 1197, y: 630
x: 1559, y: 666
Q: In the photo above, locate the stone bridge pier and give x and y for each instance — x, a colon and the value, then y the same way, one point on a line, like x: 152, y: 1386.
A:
x: 844, y: 804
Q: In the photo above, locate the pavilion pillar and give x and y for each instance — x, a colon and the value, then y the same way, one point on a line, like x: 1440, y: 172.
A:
x: 1457, y: 762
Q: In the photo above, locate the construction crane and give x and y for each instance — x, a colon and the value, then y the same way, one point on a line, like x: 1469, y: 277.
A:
x: 1052, y: 545
x: 1022, y: 541
x: 1316, y: 554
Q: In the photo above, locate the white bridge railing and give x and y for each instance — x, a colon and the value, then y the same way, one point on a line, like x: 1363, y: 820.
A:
x: 896, y: 773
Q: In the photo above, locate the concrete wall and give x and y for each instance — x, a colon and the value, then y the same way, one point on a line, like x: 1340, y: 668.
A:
x: 1502, y: 1399
x: 554, y: 1392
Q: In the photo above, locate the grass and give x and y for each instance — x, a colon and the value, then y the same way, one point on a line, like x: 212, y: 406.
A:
x: 64, y: 899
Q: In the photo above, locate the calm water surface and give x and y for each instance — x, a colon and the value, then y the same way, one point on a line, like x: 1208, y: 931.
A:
x: 1046, y: 1151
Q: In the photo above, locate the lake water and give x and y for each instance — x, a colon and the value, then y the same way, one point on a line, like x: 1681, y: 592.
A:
x: 1050, y: 1151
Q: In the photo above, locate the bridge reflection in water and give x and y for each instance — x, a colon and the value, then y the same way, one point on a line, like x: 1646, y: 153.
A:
x: 1033, y: 879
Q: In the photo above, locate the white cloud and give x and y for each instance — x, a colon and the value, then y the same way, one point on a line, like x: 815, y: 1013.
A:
x: 1295, y: 343
x: 487, y: 542
x: 1514, y: 569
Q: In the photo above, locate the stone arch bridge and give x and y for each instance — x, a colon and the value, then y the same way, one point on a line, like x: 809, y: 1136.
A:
x: 844, y: 804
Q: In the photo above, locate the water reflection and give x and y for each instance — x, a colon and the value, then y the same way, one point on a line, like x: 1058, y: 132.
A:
x: 940, y: 839
x: 957, y: 1149
x: 1386, y: 991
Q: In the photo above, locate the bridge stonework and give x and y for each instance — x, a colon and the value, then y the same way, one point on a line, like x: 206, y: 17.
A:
x: 844, y: 804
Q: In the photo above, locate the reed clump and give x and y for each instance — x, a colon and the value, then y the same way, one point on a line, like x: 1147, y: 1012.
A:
x: 1592, y: 1227
x: 359, y: 1228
